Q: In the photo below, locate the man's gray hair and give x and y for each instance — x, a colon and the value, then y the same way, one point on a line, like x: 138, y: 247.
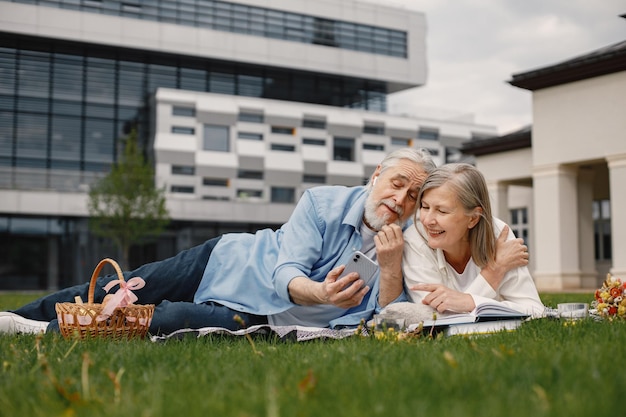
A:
x: 420, y: 156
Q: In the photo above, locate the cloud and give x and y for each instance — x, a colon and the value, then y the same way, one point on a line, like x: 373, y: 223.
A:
x: 475, y: 46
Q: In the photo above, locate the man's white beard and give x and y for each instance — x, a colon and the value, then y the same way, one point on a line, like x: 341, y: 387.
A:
x: 376, y: 222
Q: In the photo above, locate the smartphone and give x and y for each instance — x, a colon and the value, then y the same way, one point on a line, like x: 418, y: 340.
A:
x: 365, y: 267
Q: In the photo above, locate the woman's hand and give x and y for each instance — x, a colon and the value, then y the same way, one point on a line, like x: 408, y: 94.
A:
x: 442, y: 298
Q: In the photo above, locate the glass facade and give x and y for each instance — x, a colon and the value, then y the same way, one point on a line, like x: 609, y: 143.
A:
x: 248, y: 20
x: 64, y: 105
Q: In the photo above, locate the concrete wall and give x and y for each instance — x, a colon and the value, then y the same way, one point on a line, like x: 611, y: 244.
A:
x: 581, y: 121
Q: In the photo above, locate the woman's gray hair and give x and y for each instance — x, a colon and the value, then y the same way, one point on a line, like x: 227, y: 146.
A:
x: 420, y: 156
x: 470, y: 187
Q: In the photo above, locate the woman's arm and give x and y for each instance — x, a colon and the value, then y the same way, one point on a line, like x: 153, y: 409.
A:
x: 427, y: 279
x: 518, y: 291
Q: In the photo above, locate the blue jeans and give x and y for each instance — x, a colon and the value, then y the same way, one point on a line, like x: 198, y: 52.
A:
x: 170, y: 285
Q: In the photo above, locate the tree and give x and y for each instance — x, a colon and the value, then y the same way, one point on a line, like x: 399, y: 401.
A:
x: 125, y: 205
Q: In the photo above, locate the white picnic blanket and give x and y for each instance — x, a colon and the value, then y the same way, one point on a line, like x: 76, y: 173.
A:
x: 287, y: 333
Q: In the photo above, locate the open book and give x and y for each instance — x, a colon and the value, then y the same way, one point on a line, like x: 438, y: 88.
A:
x: 486, y: 312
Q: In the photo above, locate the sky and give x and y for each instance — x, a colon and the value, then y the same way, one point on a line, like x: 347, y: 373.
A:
x: 474, y: 47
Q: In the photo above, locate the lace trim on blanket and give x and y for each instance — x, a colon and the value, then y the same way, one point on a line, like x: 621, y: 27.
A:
x: 295, y: 333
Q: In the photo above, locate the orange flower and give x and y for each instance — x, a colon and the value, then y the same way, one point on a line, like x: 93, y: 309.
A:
x: 597, y: 296
x: 612, y: 310
x: 615, y: 292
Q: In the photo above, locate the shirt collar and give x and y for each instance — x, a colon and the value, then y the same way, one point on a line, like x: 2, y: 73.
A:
x: 441, y: 259
x: 354, y: 217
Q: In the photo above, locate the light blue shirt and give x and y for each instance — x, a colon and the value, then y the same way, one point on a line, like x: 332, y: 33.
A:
x: 251, y: 272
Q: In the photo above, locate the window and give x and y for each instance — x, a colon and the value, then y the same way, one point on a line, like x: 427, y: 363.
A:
x: 183, y: 170
x: 194, y: 80
x: 428, y: 133
x: 249, y: 136
x: 314, y: 124
x: 99, y: 147
x: 405, y: 143
x: 601, y: 213
x: 243, y: 193
x: 184, y: 111
x: 184, y: 189
x: 283, y: 195
x: 216, y: 138
x: 250, y: 85
x: 215, y: 182
x: 183, y: 130
x: 251, y: 175
x: 216, y: 197
x: 373, y: 147
x: 374, y: 129
x: 250, y: 117
x: 315, y: 142
x: 315, y: 179
x: 519, y: 223
x: 222, y: 83
x: 281, y: 147
x: 453, y: 155
x: 65, y: 144
x: 283, y: 130
x: 343, y: 149
x: 130, y: 8
x: 99, y: 80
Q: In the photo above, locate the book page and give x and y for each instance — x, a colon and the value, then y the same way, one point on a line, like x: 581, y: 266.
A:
x: 486, y: 327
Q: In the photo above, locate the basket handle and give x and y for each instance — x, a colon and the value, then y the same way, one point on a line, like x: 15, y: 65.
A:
x: 96, y: 272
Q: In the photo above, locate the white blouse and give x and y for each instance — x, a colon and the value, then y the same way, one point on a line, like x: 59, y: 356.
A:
x: 422, y: 264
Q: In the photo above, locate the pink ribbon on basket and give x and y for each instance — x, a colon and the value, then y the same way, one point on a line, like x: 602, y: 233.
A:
x: 122, y: 297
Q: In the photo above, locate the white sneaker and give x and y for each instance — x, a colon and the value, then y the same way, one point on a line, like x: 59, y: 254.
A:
x: 11, y: 323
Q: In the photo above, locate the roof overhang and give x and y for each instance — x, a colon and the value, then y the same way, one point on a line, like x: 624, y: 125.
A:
x: 603, y: 61
x: 516, y: 140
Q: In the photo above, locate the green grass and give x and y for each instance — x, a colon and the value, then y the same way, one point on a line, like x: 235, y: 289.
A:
x: 546, y: 368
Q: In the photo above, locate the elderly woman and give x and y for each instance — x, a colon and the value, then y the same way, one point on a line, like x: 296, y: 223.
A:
x: 450, y: 260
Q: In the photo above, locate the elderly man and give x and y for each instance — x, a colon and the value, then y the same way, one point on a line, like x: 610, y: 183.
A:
x: 289, y: 276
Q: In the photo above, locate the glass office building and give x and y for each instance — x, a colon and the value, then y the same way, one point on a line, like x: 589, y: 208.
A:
x: 76, y: 75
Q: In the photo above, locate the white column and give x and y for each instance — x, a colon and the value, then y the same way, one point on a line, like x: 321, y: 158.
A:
x: 499, y: 195
x: 556, y: 228
x: 617, y: 187
x: 589, y: 274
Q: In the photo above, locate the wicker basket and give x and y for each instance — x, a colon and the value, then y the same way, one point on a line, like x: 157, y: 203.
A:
x: 77, y: 320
